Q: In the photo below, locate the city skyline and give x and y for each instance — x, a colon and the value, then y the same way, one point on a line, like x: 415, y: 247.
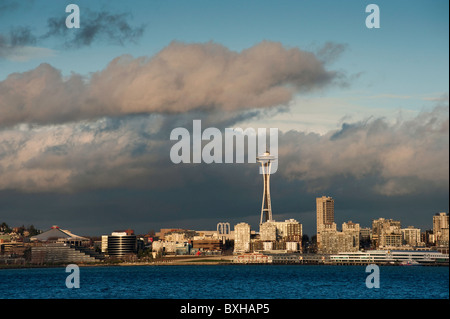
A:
x: 86, y: 114
x: 256, y: 228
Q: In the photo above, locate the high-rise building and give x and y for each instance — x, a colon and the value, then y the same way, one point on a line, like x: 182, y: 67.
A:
x: 268, y: 232
x: 285, y: 235
x: 333, y: 241
x: 411, y: 236
x: 242, y: 237
x: 440, y: 229
x: 440, y: 220
x: 325, y: 214
x: 266, y: 163
x: 352, y: 230
x: 386, y: 233
x: 289, y: 230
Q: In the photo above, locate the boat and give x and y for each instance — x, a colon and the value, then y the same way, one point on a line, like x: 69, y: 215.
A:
x: 409, y: 263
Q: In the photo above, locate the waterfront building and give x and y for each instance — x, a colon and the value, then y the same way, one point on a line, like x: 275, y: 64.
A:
x: 267, y: 258
x: 324, y: 214
x: 411, y: 236
x: 390, y: 241
x: 352, y: 230
x: 390, y: 257
x: 386, y: 233
x: 440, y: 229
x: 333, y: 241
x: 58, y: 245
x: 251, y: 258
x: 289, y: 231
x: 58, y: 252
x: 120, y: 244
x: 242, y: 237
x: 381, y: 257
x: 268, y: 231
x: 274, y: 235
x: 207, y: 244
x: 56, y: 234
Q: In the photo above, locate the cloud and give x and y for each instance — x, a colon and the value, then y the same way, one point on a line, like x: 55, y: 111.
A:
x: 21, y: 36
x: 11, y: 5
x: 111, y: 130
x: 19, y: 45
x: 40, y: 95
x: 116, y: 172
x: 101, y: 26
x: 330, y: 51
x: 180, y: 78
x: 395, y: 159
x: 66, y: 156
x: 388, y: 159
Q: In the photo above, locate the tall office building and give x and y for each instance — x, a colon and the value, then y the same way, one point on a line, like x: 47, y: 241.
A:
x: 440, y: 229
x: 440, y: 220
x: 325, y: 214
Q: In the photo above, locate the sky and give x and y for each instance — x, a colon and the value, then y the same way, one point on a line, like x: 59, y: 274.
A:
x: 86, y: 114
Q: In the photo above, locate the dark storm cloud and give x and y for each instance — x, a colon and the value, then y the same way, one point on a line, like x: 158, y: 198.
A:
x: 407, y: 157
x: 116, y: 173
x: 95, y: 27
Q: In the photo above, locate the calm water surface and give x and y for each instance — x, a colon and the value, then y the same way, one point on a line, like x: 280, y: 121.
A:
x: 225, y: 282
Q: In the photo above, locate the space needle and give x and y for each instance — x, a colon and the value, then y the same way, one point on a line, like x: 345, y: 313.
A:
x: 266, y: 162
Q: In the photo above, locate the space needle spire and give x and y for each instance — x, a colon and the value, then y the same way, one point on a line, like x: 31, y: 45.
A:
x: 266, y: 162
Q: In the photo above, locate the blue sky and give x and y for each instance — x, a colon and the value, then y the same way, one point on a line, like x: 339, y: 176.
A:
x: 391, y: 114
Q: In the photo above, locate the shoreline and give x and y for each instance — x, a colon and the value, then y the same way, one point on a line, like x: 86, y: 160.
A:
x: 204, y: 263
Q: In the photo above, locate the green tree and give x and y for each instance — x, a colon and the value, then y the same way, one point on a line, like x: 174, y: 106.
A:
x: 5, y: 228
x: 33, y: 231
